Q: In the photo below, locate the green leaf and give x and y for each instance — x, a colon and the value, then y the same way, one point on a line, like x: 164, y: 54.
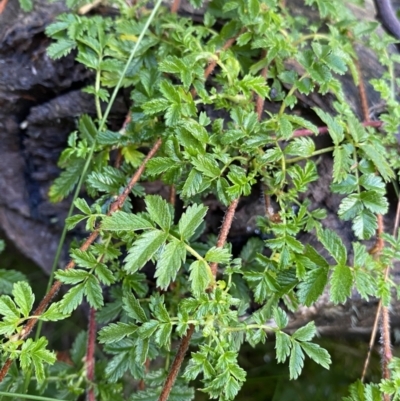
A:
x: 115, y: 332
x: 305, y: 333
x: 82, y: 205
x: 53, y: 313
x: 335, y: 129
x: 72, y: 299
x: 160, y: 211
x: 8, y: 308
x: 122, y: 221
x: 317, y: 354
x: 8, y: 278
x: 379, y: 161
x: 87, y: 129
x: 374, y: 201
x: 66, y: 181
x: 60, y: 48
x: 159, y: 165
x: 342, y: 162
x: 296, y: 361
x: 23, y: 297
x: 35, y: 352
x: 72, y: 276
x: 254, y: 8
x: 285, y: 129
x: 169, y: 263
x: 192, y: 184
x: 94, y: 293
x: 133, y: 308
x: 341, y: 283
x: 199, y: 276
x: 280, y: 318
x: 207, y: 165
x: 333, y: 245
x: 143, y: 249
x: 84, y: 258
x: 365, y: 224
x: 218, y: 255
x: 26, y: 5
x: 191, y: 220
x: 313, y: 285
x: 282, y: 346
x: 104, y: 274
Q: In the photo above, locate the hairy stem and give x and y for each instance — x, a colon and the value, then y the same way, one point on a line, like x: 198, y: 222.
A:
x: 91, y: 344
x: 176, y: 365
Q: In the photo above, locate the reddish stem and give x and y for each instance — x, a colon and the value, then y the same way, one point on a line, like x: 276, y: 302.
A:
x: 176, y: 365
x: 324, y: 130
x: 223, y: 234
x: 90, y: 361
x: 175, y: 6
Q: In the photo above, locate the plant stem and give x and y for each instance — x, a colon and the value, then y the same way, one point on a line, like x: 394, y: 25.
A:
x: 316, y: 153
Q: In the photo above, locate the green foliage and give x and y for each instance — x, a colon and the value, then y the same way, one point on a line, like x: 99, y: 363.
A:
x: 216, y: 147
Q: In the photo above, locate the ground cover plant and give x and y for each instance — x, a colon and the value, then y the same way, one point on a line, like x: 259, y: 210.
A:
x: 214, y: 114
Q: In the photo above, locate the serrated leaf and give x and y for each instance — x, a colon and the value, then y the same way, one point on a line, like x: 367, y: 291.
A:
x: 285, y: 128
x: 159, y: 165
x: 143, y: 249
x: 191, y: 220
x: 199, y: 277
x: 379, y: 161
x: 94, y: 293
x: 317, y: 354
x: 122, y: 221
x: 23, y: 297
x: 84, y: 258
x: 282, y: 346
x: 365, y: 224
x: 133, y: 308
x: 8, y: 308
x: 53, y: 313
x: 218, y: 255
x: 280, y: 318
x: 333, y: 245
x: 169, y: 263
x: 342, y: 163
x: 313, y: 285
x: 72, y: 299
x: 341, y: 283
x: 192, y: 184
x: 335, y: 129
x: 296, y: 361
x: 305, y: 333
x: 160, y: 211
x: 72, y: 276
x: 8, y: 278
x: 82, y: 205
x: 148, y: 328
x: 104, y: 274
x: 374, y: 201
x: 207, y: 165
x: 87, y: 129
x: 115, y: 332
x: 66, y: 181
x: 60, y: 48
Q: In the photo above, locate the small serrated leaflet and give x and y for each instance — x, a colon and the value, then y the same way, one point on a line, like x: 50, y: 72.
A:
x: 341, y: 283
